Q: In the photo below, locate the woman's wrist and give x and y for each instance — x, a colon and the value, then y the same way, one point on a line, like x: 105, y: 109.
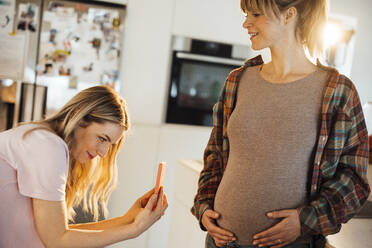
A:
x: 130, y: 216
x: 135, y: 229
x: 126, y: 218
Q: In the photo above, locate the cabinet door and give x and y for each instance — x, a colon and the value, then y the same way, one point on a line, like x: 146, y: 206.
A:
x: 137, y: 167
x: 184, y: 229
x: 217, y: 20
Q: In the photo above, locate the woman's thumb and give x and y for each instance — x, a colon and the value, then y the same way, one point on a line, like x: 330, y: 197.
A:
x: 152, y: 201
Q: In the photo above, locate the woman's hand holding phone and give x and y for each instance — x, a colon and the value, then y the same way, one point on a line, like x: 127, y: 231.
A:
x: 159, y: 183
x: 155, y: 200
x: 138, y: 205
x: 147, y: 216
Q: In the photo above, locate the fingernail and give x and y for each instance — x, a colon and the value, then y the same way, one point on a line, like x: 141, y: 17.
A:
x: 270, y: 214
x: 254, y: 242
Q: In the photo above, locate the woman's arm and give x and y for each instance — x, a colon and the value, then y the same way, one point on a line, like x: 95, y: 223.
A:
x: 51, y: 225
x: 127, y: 218
x: 211, y: 174
x: 215, y: 152
x: 344, y: 187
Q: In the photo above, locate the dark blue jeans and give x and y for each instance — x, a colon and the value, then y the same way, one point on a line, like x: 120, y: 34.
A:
x: 209, y: 243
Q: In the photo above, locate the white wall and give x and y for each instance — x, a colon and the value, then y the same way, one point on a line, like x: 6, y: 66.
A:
x: 218, y: 20
x: 361, y: 73
x: 146, y: 56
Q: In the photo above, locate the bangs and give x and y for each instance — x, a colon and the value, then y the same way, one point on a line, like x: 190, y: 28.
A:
x: 252, y: 6
x: 259, y: 6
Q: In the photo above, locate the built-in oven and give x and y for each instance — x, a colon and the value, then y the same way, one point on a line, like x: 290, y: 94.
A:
x: 199, y: 69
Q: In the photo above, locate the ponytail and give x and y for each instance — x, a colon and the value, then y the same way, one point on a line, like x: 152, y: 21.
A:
x: 312, y: 17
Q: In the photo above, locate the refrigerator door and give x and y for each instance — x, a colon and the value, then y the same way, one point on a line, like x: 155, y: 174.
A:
x: 19, y: 33
x: 80, y: 47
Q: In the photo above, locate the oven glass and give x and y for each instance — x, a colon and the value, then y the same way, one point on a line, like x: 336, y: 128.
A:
x: 194, y: 89
x: 200, y: 85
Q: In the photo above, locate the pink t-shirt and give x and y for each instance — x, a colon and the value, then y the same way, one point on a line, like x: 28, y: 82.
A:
x: 33, y: 167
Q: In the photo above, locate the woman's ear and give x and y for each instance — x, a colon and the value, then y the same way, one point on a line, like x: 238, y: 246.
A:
x: 290, y: 15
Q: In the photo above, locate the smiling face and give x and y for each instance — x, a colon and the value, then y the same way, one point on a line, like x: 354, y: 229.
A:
x: 265, y: 31
x: 95, y: 139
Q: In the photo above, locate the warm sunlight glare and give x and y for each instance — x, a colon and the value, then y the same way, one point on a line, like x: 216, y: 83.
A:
x: 332, y: 34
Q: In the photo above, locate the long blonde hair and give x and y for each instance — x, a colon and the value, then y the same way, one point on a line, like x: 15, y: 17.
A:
x: 312, y: 17
x: 92, y: 182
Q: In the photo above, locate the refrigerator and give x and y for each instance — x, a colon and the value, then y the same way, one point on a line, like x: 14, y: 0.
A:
x: 52, y: 49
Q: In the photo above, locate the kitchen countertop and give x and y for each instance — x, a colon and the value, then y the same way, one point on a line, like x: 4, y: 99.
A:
x: 193, y: 164
x: 357, y: 232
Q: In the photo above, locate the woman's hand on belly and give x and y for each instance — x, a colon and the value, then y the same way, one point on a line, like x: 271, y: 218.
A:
x: 283, y: 233
x: 220, y: 236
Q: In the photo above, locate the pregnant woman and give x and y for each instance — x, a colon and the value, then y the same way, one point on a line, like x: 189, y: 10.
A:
x: 287, y: 157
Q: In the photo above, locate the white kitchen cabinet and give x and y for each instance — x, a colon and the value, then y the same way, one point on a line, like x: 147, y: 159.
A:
x: 137, y: 166
x: 145, y: 146
x: 176, y: 142
x: 216, y: 20
x: 184, y: 229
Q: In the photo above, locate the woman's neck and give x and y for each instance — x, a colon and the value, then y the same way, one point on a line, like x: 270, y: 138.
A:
x: 288, y: 63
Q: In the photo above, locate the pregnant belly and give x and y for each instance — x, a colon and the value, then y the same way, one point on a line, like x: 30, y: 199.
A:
x: 244, y: 203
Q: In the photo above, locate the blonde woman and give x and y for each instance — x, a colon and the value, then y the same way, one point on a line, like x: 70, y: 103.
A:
x: 48, y: 167
x: 287, y: 158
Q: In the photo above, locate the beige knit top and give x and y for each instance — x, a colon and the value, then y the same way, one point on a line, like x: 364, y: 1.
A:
x: 272, y: 135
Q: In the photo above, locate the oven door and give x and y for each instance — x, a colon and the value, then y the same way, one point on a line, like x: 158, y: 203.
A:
x: 196, y: 82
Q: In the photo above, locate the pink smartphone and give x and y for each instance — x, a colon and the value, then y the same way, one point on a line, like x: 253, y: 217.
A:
x: 159, y: 179
x: 160, y: 176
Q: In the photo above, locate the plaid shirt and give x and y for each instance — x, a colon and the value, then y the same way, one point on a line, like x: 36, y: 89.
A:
x: 338, y: 187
